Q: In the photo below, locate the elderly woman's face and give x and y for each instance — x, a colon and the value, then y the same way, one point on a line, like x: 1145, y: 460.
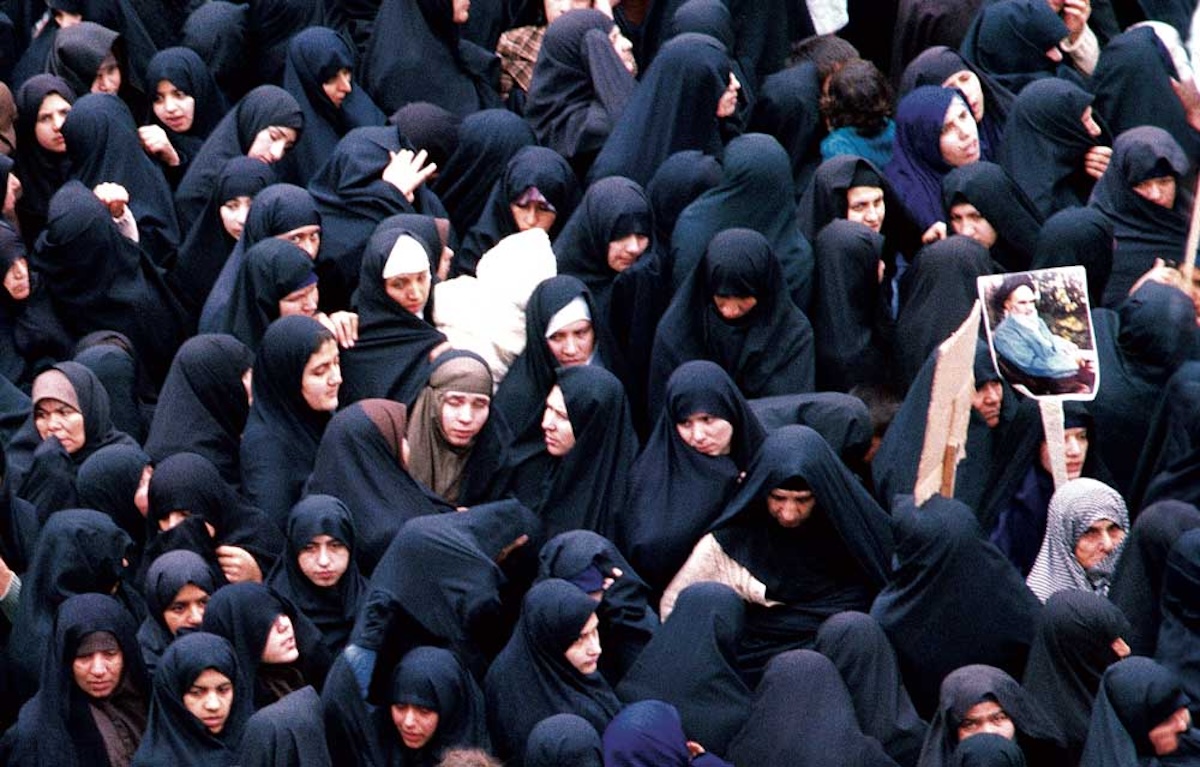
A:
x: 1100, y: 539
x: 53, y: 418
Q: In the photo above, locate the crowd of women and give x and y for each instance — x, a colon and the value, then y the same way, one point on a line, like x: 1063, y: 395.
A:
x: 420, y: 382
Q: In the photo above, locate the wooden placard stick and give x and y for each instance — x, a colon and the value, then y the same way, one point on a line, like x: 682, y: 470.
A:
x: 1187, y: 266
x: 1052, y: 428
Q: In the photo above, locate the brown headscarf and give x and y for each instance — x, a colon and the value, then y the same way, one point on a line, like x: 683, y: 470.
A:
x: 433, y: 461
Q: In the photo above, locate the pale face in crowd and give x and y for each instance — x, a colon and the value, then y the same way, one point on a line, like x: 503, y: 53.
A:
x: 50, y: 118
x: 734, y: 307
x: 556, y: 425
x: 727, y: 104
x: 584, y: 652
x: 1075, y: 446
x: 463, y: 415
x: 174, y: 108
x: 1160, y: 190
x: 53, y: 418
x: 965, y: 219
x: 573, y: 344
x: 300, y: 301
x: 108, y: 76
x: 280, y: 646
x: 210, y: 699
x: 968, y: 82
x: 987, y: 400
x: 791, y: 508
x: 959, y: 142
x: 986, y: 716
x: 706, y: 434
x: 322, y: 378
x: 233, y: 215
x: 272, y: 143
x: 533, y: 215
x: 98, y: 673
x: 186, y: 609
x: 307, y: 238
x: 415, y: 724
x: 410, y: 290
x: 324, y: 560
x: 16, y: 280
x: 624, y: 252
x: 1100, y: 539
x: 865, y: 205
x: 338, y: 87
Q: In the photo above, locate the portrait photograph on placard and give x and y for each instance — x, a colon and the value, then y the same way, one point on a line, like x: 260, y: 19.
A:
x: 1039, y: 330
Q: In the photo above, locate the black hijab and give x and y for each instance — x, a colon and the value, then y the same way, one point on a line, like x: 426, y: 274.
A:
x: 533, y: 166
x: 849, y: 311
x: 77, y: 52
x: 360, y: 462
x: 1143, y: 230
x: 999, y: 199
x: 217, y: 31
x: 1078, y: 237
x: 203, y: 406
x: 1008, y: 41
x: 1045, y: 143
x: 767, y: 351
x: 271, y: 270
x: 270, y: 25
x: 331, y: 609
x: 583, y: 489
x: 103, y: 144
x: 246, y: 614
x: 802, y: 713
x: 433, y: 678
x: 175, y: 735
x: 30, y: 334
x: 1070, y: 652
x: 314, y: 56
x: 108, y: 480
x: 289, y: 731
x: 691, y: 663
x: 207, y: 244
x: 1136, y: 695
x: 1177, y: 635
x: 416, y: 53
x: 579, y: 87
x: 533, y: 669
x: 755, y: 193
x: 1036, y: 731
x: 677, y: 183
x: 276, y: 210
x: 439, y: 583
x: 675, y: 491
x: 188, y: 482
x: 564, y: 739
x: 864, y: 657
x: 59, y: 725
x: 429, y: 127
x: 390, y: 358
x: 265, y: 106
x: 167, y: 575
x: 187, y: 71
x: 99, y: 280
x: 673, y: 108
x: 41, y: 171
x: 279, y: 444
x: 18, y: 523
x: 487, y: 140
x: 353, y: 199
x: 940, y: 542
x: 786, y: 109
x: 941, y: 293
x: 1138, y: 580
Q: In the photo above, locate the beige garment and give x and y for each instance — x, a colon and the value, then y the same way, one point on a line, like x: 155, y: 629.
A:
x: 709, y: 562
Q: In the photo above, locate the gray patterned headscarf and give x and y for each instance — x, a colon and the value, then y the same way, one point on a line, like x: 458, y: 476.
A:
x: 1073, y: 509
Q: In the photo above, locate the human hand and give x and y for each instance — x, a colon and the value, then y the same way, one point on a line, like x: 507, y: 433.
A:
x: 343, y: 325
x: 1189, y: 96
x: 1095, y: 162
x: 155, y: 142
x: 934, y: 233
x: 238, y: 565
x: 407, y: 171
x: 115, y: 196
x: 1075, y: 14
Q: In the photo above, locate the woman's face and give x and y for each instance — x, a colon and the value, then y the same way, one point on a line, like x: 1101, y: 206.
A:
x: 532, y: 215
x: 727, y: 104
x: 463, y: 416
x: 233, y: 215
x: 965, y: 219
x: 16, y: 280
x: 48, y: 128
x: 791, y: 508
x: 322, y: 378
x: 174, y: 108
x: 280, y: 646
x: 1159, y: 190
x: 624, y: 252
x: 959, y: 142
x: 706, y: 434
x: 968, y: 82
x: 338, y: 87
x: 307, y: 238
x: 556, y: 425
x: 415, y: 724
x: 1100, y: 539
x: 734, y: 307
x: 1075, y: 447
x: 584, y: 653
x: 986, y: 716
x: 209, y: 699
x: 98, y: 673
x: 302, y: 301
x: 411, y: 290
x: 865, y: 204
x: 108, y: 76
x: 53, y: 418
x: 272, y: 143
x: 573, y: 343
x: 186, y: 609
x: 324, y: 560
